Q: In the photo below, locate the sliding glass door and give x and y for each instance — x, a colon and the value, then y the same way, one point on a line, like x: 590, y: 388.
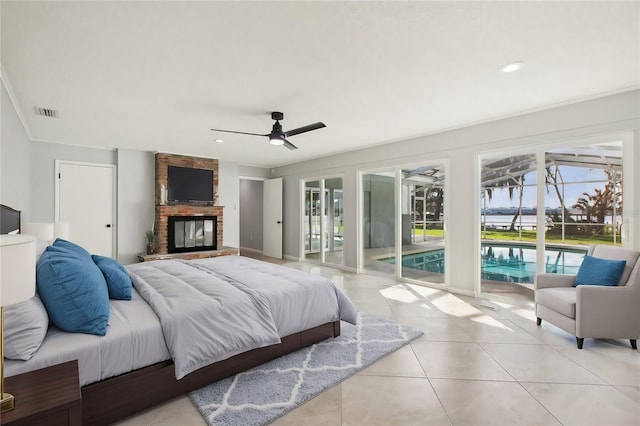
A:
x: 508, y: 224
x: 323, y: 220
x: 379, y: 222
x: 582, y: 191
x: 423, y: 244
x: 334, y: 221
x: 403, y: 217
x: 583, y: 203
x: 312, y: 220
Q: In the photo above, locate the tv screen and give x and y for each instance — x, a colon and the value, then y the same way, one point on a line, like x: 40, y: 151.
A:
x: 187, y: 184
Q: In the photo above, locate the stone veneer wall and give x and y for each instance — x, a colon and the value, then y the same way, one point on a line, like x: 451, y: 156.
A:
x: 163, y: 211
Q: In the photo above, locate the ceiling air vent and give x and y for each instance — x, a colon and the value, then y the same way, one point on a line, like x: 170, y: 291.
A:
x: 46, y: 112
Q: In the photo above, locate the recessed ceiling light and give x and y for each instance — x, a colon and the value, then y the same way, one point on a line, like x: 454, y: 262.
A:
x: 219, y: 140
x: 512, y: 67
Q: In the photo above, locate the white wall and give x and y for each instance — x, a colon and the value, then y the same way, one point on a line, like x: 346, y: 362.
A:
x: 461, y: 147
x: 136, y: 202
x: 229, y: 197
x: 253, y: 172
x: 15, y: 159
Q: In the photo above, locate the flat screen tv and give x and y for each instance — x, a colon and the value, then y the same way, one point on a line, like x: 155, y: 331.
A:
x: 188, y: 185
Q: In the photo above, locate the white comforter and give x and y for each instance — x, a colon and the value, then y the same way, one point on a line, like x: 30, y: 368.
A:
x: 212, y: 309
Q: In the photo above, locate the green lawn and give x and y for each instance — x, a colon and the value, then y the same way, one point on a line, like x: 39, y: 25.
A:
x: 530, y: 236
x: 431, y: 232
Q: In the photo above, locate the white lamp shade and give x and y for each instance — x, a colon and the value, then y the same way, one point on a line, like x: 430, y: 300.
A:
x: 61, y: 230
x: 42, y: 231
x: 17, y: 268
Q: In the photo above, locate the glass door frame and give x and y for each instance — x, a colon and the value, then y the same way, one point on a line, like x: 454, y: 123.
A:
x: 322, y: 191
x: 397, y: 171
x: 628, y: 176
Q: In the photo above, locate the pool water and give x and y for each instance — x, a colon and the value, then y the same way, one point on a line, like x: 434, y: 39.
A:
x: 503, y: 262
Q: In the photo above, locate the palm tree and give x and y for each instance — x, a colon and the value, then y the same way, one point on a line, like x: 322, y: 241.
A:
x: 520, y: 184
x: 434, y: 198
x: 551, y: 179
x: 598, y: 204
x: 519, y: 211
x: 586, y: 204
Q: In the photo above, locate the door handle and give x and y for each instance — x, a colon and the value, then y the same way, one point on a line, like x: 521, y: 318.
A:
x: 108, y: 225
x: 279, y: 222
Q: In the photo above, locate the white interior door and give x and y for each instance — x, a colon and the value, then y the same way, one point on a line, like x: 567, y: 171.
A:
x: 84, y: 200
x: 272, y: 218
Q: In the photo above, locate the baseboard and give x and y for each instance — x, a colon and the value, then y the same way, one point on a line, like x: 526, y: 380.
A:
x: 251, y: 250
x: 291, y: 258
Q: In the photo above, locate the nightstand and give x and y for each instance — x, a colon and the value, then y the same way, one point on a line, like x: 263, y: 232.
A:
x: 49, y: 396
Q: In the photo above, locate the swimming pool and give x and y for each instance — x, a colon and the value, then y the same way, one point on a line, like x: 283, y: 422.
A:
x: 503, y: 262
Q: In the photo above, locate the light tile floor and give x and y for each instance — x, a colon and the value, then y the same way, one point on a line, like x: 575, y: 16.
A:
x: 480, y: 362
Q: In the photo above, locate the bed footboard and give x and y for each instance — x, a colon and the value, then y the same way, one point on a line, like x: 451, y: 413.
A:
x: 116, y: 398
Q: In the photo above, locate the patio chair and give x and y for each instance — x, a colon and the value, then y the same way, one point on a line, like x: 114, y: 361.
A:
x: 593, y: 311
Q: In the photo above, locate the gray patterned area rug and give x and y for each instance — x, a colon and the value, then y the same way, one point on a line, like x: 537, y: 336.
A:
x: 262, y: 394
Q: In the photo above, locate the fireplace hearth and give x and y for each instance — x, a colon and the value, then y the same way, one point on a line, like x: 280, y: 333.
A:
x: 192, y: 233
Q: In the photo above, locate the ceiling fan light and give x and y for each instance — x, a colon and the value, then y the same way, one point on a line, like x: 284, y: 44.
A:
x: 276, y: 140
x: 512, y: 67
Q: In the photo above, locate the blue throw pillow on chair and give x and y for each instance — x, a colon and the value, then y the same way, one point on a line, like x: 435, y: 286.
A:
x: 596, y: 271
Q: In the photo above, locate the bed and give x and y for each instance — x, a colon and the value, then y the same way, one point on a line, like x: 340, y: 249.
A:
x: 145, y: 358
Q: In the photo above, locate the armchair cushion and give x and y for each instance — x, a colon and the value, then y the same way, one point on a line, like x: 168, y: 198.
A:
x: 597, y: 271
x: 617, y: 253
x: 553, y: 280
x: 559, y: 299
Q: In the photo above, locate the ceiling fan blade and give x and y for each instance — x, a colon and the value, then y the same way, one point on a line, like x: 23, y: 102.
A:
x: 304, y: 129
x: 289, y: 145
x: 240, y: 133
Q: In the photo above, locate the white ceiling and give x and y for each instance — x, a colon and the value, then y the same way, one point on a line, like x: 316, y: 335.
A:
x: 159, y: 75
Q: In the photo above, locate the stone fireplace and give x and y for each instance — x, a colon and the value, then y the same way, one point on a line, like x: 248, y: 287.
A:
x: 203, y: 216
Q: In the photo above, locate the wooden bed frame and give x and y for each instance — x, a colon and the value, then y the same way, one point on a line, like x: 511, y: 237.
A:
x: 118, y: 397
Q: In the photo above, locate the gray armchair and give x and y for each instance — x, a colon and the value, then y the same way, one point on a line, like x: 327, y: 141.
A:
x: 593, y: 311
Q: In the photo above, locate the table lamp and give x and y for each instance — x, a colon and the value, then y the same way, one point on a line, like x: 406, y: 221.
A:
x: 60, y: 230
x: 17, y: 284
x: 45, y: 231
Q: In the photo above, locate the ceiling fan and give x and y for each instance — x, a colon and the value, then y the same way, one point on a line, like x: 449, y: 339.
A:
x: 277, y: 136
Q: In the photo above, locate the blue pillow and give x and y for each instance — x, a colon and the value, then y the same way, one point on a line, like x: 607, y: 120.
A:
x: 73, y: 290
x: 596, y: 271
x: 118, y: 280
x: 60, y: 245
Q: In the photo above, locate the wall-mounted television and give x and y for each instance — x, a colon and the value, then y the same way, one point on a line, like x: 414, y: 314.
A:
x: 186, y: 184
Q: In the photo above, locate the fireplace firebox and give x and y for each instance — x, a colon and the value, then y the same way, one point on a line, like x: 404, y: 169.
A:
x: 192, y: 233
